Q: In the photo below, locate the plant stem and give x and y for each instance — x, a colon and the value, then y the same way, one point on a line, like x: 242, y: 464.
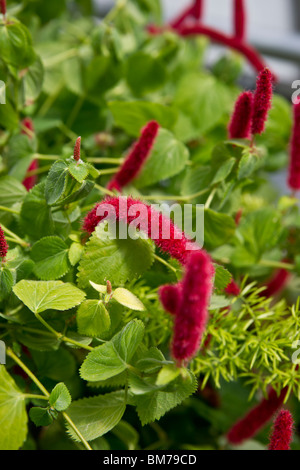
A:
x: 104, y: 190
x: 30, y: 374
x: 39, y: 156
x: 8, y: 209
x: 276, y: 264
x: 60, y: 336
x: 15, y: 237
x: 37, y: 171
x: 162, y: 261
x: 109, y: 171
x: 175, y: 198
x: 58, y: 58
x: 105, y: 160
x: 35, y: 397
x: 210, y: 198
x: 74, y: 113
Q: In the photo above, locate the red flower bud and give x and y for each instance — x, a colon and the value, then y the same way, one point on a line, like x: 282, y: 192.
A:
x: 239, y: 19
x: 28, y: 129
x: 136, y: 158
x: 3, y: 7
x: 77, y: 149
x: 294, y: 168
x: 240, y: 124
x: 277, y: 283
x: 233, y: 289
x: 282, y: 431
x: 3, y: 245
x: 262, y: 101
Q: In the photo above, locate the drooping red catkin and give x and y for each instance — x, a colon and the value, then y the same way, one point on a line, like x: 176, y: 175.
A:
x: 238, y: 217
x: 277, y: 283
x: 191, y: 311
x: 257, y: 417
x: 28, y: 129
x: 294, y: 167
x: 239, y: 19
x: 282, y: 434
x: 262, y: 101
x: 77, y: 149
x: 196, y: 11
x: 176, y: 245
x: 240, y: 123
x: 3, y: 245
x: 136, y: 158
x: 233, y: 288
x: 3, y: 7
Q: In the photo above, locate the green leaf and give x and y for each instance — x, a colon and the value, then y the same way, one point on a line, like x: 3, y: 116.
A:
x: 219, y: 301
x: 11, y: 191
x: 75, y: 252
x: 168, y: 157
x: 152, y: 406
x: 36, y: 217
x: 132, y: 116
x: 13, y: 416
x: 7, y: 281
x: 113, y: 357
x: 224, y: 171
x: 40, y: 416
x: 51, y: 258
x: 60, y: 397
x: 222, y: 277
x: 39, y: 296
x: 219, y: 228
x: 33, y: 80
x: 167, y: 374
x: 92, y: 318
x: 248, y: 164
x: 145, y: 73
x: 126, y: 298
x: 78, y: 170
x: 114, y: 260
x: 95, y: 416
x: 57, y: 365
x: 15, y: 45
x: 56, y: 181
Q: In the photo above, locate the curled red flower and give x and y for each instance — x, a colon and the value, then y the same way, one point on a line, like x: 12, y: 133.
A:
x: 28, y: 129
x: 277, y: 283
x: 294, y: 167
x: 282, y: 433
x: 136, y: 158
x: 257, y: 417
x: 77, y: 149
x: 240, y: 124
x: 239, y: 19
x: 3, y: 7
x: 262, y: 101
x: 190, y: 305
x: 176, y: 245
x: 3, y: 245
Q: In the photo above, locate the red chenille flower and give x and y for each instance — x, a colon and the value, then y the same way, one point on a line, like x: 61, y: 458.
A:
x: 3, y: 7
x: 239, y: 19
x: 262, y: 101
x: 282, y: 434
x: 136, y: 158
x: 28, y: 129
x: 3, y: 245
x: 277, y: 283
x: 256, y: 418
x: 233, y: 288
x: 240, y: 124
x: 294, y: 168
x: 191, y: 306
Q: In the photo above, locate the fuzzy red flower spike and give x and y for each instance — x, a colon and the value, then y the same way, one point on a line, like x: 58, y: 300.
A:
x: 3, y: 245
x: 240, y: 124
x: 282, y: 434
x: 262, y: 101
x: 77, y: 149
x: 294, y: 167
x: 28, y: 129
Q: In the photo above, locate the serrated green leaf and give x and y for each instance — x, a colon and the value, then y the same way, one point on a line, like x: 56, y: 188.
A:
x: 222, y: 277
x: 36, y: 217
x: 113, y: 357
x: 248, y: 164
x: 51, y: 258
x: 13, y: 416
x: 126, y: 298
x: 168, y: 157
x: 39, y: 296
x: 92, y: 318
x: 75, y: 252
x: 7, y: 281
x: 95, y: 416
x: 60, y: 397
x: 56, y: 181
x: 78, y: 170
x: 40, y: 416
x: 218, y: 301
x: 114, y: 260
x: 11, y: 191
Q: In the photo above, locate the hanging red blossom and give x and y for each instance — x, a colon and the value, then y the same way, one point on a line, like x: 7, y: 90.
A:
x: 282, y: 434
x: 3, y: 245
x: 28, y: 129
x: 262, y: 101
x: 190, y: 306
x: 77, y: 149
x: 294, y: 168
x: 256, y: 418
x: 196, y: 11
x: 238, y: 217
x: 277, y: 283
x: 136, y: 158
x: 3, y: 7
x: 240, y: 124
x: 239, y: 19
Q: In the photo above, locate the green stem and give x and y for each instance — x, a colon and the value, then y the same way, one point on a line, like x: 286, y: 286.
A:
x: 8, y: 209
x: 109, y: 171
x: 74, y: 113
x: 15, y: 237
x: 276, y: 264
x: 58, y: 58
x: 175, y: 198
x: 30, y: 374
x: 60, y: 336
x: 117, y: 161
x: 162, y: 261
x: 210, y: 198
x: 34, y: 397
x: 38, y: 171
x: 39, y: 156
x: 104, y: 190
